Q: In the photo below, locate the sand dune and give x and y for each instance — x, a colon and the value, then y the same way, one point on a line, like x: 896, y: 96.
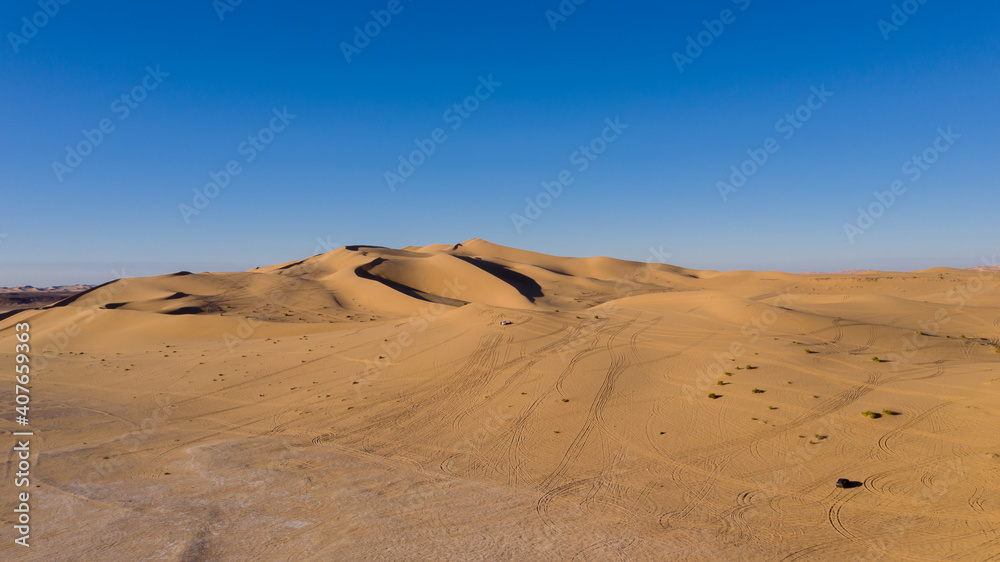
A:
x: 367, y: 404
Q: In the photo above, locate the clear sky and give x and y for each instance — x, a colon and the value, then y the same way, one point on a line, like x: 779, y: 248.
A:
x: 311, y: 114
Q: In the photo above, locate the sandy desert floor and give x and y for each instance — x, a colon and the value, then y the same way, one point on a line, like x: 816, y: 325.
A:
x: 368, y: 404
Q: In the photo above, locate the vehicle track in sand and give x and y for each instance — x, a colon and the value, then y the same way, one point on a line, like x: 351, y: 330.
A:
x: 600, y: 400
x: 884, y: 440
x: 607, y: 492
x: 515, y: 437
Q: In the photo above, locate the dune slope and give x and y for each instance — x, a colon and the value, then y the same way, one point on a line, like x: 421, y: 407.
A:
x: 367, y: 403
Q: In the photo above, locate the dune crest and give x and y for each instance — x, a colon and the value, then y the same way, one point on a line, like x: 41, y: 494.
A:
x: 461, y: 401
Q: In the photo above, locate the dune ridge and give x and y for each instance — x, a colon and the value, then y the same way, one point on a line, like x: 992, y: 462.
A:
x: 369, y: 403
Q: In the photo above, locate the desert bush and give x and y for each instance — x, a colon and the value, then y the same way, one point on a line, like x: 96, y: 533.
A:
x: 757, y: 391
x: 713, y: 396
x: 871, y: 414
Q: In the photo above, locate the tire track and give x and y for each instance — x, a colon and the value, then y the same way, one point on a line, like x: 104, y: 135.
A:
x: 870, y: 341
x: 573, y: 452
x: 883, y: 442
x: 515, y: 436
x: 833, y: 515
x: 610, y: 492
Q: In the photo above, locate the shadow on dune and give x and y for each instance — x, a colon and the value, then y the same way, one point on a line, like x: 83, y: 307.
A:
x: 186, y: 310
x: 9, y: 313
x: 364, y: 272
x: 291, y: 265
x: 77, y: 296
x: 528, y: 287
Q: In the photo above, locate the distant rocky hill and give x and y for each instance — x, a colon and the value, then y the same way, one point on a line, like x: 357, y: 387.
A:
x: 20, y: 298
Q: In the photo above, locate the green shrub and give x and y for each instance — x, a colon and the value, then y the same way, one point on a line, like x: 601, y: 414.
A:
x: 889, y: 412
x: 876, y: 359
x: 757, y: 391
x: 810, y: 351
x: 871, y: 414
x: 713, y: 396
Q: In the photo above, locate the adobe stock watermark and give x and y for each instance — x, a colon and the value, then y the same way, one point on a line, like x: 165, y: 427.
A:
x: 787, y: 127
x: 132, y: 441
x: 122, y: 107
x: 911, y: 345
x: 753, y: 331
x: 794, y: 464
x: 364, y: 35
x: 30, y: 26
x: 495, y: 420
x: 639, y: 276
x: 913, y: 169
x: 932, y: 490
x: 581, y: 158
x: 58, y: 340
x: 414, y: 325
x: 563, y: 11
x: 224, y: 7
x: 247, y: 325
x: 249, y: 150
x: 455, y: 117
x: 714, y: 29
x: 900, y: 16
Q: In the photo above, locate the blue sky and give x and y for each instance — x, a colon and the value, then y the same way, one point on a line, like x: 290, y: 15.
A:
x: 208, y: 83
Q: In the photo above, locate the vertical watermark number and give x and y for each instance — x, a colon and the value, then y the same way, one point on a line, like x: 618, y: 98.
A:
x: 22, y: 448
